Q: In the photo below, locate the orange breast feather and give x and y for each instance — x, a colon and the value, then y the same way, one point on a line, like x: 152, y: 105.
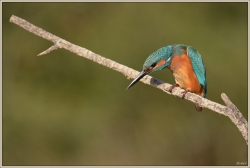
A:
x: 182, y: 69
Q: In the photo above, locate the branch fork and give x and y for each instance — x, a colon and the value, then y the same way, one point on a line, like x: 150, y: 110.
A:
x: 52, y: 48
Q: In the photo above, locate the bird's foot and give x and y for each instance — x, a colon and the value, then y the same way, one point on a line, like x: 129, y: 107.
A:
x: 172, y: 87
x: 184, y: 93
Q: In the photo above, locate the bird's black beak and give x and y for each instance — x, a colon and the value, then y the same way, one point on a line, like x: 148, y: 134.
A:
x: 141, y: 75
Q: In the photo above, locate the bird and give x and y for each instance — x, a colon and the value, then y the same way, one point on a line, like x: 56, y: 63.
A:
x: 186, y: 65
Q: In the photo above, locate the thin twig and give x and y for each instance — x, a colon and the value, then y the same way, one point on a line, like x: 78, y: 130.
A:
x: 230, y: 110
x: 52, y: 48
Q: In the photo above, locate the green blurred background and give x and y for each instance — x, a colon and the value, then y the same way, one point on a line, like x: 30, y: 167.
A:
x: 62, y: 109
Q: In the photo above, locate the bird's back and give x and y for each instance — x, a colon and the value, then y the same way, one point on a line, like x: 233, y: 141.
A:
x: 198, y: 66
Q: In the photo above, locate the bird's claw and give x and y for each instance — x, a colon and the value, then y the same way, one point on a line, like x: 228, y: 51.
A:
x: 184, y: 93
x: 172, y: 87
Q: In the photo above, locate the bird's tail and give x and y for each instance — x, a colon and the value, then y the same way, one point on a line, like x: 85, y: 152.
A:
x: 198, y: 108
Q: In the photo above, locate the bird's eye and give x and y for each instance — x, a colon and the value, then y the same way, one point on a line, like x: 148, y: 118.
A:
x: 153, y: 65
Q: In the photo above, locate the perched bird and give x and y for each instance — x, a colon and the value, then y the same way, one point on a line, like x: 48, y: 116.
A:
x: 186, y: 65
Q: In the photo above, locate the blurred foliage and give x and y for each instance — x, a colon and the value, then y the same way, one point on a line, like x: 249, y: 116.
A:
x: 61, y: 109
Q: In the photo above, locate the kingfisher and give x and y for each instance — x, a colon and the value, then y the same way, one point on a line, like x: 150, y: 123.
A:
x: 186, y: 65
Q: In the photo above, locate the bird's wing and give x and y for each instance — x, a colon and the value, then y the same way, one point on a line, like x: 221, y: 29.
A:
x: 198, y: 66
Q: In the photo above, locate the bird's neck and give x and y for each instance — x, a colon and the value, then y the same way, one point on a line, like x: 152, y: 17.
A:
x: 180, y: 49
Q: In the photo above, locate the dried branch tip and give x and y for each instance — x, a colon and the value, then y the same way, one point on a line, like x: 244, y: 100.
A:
x: 228, y: 102
x: 52, y: 48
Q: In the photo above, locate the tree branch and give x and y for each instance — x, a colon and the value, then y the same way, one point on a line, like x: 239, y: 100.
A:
x: 230, y: 110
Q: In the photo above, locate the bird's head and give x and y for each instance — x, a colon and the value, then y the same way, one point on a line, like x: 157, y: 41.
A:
x: 158, y: 60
